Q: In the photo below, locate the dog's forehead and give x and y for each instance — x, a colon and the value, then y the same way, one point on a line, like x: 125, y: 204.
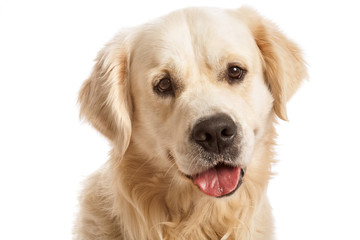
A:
x: 195, y: 35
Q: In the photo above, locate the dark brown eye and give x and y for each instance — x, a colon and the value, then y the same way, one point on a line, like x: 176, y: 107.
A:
x: 236, y: 73
x: 164, y: 87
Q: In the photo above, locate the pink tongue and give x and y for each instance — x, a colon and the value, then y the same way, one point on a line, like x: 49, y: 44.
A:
x: 218, y: 181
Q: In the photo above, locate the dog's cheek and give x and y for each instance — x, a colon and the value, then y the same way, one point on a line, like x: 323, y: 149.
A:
x: 247, y: 146
x: 261, y: 101
x: 176, y: 137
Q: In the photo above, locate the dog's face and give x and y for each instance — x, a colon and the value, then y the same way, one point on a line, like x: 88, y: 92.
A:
x: 199, y: 94
x: 196, y: 89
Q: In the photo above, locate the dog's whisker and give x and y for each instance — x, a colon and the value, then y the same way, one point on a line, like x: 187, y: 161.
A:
x: 140, y: 168
x: 172, y: 165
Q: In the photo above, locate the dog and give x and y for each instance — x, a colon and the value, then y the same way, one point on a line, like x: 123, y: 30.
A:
x: 188, y: 102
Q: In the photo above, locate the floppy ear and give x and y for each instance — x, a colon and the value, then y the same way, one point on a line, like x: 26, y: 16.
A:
x: 104, y: 98
x: 284, y: 67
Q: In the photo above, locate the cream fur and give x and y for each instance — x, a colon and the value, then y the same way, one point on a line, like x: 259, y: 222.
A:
x: 141, y: 192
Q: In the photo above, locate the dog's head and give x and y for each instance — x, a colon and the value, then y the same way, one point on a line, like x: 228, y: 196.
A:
x: 196, y: 89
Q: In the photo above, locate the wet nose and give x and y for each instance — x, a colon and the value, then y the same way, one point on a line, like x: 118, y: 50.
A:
x: 215, y: 134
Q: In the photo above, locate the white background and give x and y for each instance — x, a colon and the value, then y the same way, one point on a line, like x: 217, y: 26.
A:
x: 47, y: 50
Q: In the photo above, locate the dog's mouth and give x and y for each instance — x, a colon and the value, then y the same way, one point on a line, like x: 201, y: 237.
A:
x: 220, y: 180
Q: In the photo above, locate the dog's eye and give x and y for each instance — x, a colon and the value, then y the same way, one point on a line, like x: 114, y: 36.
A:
x: 235, y: 73
x: 164, y: 87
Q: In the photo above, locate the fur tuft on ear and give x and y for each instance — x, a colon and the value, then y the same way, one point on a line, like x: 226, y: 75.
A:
x: 104, y: 98
x: 284, y: 67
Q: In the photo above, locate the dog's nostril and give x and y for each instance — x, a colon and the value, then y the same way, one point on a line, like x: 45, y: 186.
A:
x: 207, y: 137
x: 227, y: 132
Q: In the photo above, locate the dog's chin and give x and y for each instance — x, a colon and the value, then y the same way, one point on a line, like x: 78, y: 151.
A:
x: 219, y: 181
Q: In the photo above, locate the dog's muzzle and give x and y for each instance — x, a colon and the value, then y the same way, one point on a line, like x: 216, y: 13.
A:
x: 217, y: 139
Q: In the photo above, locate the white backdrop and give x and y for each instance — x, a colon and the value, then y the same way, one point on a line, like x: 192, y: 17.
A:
x: 47, y: 50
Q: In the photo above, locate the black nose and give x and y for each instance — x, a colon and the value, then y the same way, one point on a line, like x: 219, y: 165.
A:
x: 215, y: 134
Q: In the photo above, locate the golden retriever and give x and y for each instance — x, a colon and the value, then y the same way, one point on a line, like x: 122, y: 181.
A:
x: 188, y: 102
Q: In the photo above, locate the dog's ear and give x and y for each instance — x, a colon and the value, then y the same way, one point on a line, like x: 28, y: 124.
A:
x: 104, y: 98
x: 284, y: 67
